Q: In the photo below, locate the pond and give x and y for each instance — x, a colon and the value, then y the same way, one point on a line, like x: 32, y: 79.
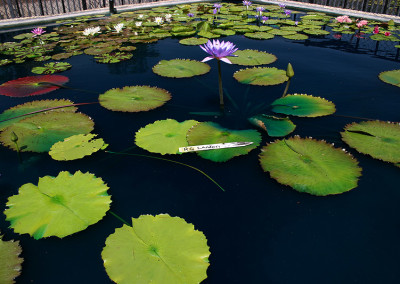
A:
x: 258, y: 230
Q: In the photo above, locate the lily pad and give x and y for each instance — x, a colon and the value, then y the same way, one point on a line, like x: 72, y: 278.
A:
x: 113, y: 57
x: 391, y: 77
x: 164, y: 136
x: 193, y: 41
x: 379, y: 139
x: 51, y: 68
x: 76, y: 147
x: 58, y: 206
x: 32, y: 86
x: 296, y: 37
x: 252, y: 57
x: 134, y: 98
x: 303, y: 105
x: 310, y: 166
x: 259, y: 35
x: 212, y: 133
x: 181, y: 68
x: 10, y: 262
x: 273, y: 125
x: 38, y: 133
x: 156, y: 249
x: 261, y: 76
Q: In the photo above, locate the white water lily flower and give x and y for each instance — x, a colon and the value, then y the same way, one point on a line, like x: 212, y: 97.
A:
x: 118, y: 27
x: 158, y: 20
x: 168, y: 17
x: 140, y: 16
x: 91, y: 31
x: 138, y: 24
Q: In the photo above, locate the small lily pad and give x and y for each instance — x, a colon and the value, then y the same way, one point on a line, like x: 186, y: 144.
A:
x: 252, y: 57
x: 156, y: 249
x: 58, y: 206
x: 181, y: 68
x: 113, y: 57
x: 379, y: 139
x: 303, y: 105
x: 259, y: 35
x: 310, y: 166
x: 273, y: 125
x: 134, y: 98
x: 296, y: 37
x: 51, y: 68
x: 211, y: 133
x: 261, y: 76
x: 164, y: 136
x: 193, y: 41
x: 391, y: 77
x: 10, y: 262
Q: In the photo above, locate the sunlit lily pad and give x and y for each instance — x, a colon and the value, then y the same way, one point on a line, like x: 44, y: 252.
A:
x: 134, y: 98
x: 156, y: 249
x: 51, y: 68
x: 259, y: 35
x: 181, y: 68
x: 316, y: 32
x: 310, y: 166
x: 38, y: 133
x: 212, y: 133
x: 193, y: 41
x: 262, y: 76
x: 252, y: 57
x: 32, y: 86
x: 76, y: 147
x: 379, y: 139
x: 391, y: 77
x: 164, y: 136
x: 10, y: 262
x: 273, y: 125
x: 296, y: 37
x: 58, y: 206
x: 113, y: 57
x: 303, y: 105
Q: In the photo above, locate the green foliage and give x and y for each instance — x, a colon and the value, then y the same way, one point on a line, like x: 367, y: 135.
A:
x: 391, y: 77
x: 252, y: 57
x: 193, y: 41
x: 51, y: 68
x: 114, y: 57
x: 261, y: 76
x: 259, y: 35
x: 180, y: 68
x: 10, y: 262
x: 273, y: 125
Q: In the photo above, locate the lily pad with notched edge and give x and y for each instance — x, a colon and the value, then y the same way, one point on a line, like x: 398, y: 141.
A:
x: 76, y: 147
x: 38, y: 133
x: 212, y: 133
x: 164, y: 136
x: 273, y: 125
x: 156, y: 249
x: 391, y: 77
x: 51, y: 68
x: 379, y: 139
x: 58, y: 206
x: 10, y: 262
x: 32, y: 86
x: 261, y: 76
x: 303, y: 105
x: 310, y: 166
x: 134, y: 98
x: 252, y: 57
x: 180, y: 68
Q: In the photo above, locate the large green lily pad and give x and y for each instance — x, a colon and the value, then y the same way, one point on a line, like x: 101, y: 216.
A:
x: 156, y: 249
x: 310, y: 166
x: 193, y: 41
x: 261, y: 76
x: 303, y: 105
x: 212, y: 133
x: 379, y: 139
x: 38, y: 133
x: 134, y: 98
x: 58, y: 206
x: 10, y: 262
x: 180, y: 68
x: 164, y: 136
x: 259, y: 35
x: 252, y: 57
x: 391, y: 77
x: 273, y: 125
x: 76, y: 147
x: 51, y: 68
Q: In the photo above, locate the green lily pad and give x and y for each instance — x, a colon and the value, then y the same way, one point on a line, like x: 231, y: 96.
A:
x: 134, y: 98
x: 296, y: 37
x: 61, y: 56
x: 193, y: 41
x: 261, y: 76
x: 76, y: 147
x: 310, y: 166
x: 274, y: 126
x: 379, y: 139
x: 180, y: 68
x: 391, y: 77
x: 316, y: 32
x: 113, y: 57
x: 58, y: 206
x: 303, y: 105
x: 38, y: 133
x: 51, y: 68
x: 156, y: 249
x: 281, y: 32
x: 10, y: 262
x: 23, y: 109
x: 259, y: 35
x: 252, y: 57
x: 223, y: 32
x: 211, y: 133
x: 164, y: 136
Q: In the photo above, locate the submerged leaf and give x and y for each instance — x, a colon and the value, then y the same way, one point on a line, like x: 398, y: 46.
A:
x: 58, y: 206
x: 391, y: 77
x: 156, y: 249
x: 261, y: 76
x: 274, y: 126
x: 310, y: 166
x: 10, y: 262
x: 252, y: 57
x: 180, y: 68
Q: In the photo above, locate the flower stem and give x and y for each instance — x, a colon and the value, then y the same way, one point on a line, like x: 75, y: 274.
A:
x: 286, y: 89
x: 221, y: 92
x: 119, y: 218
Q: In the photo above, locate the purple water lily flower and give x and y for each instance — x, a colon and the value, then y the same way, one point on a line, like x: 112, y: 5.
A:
x: 283, y: 6
x: 296, y: 23
x: 219, y: 50
x: 190, y: 15
x: 264, y: 18
x: 288, y: 12
x: 217, y: 6
x: 260, y: 9
x: 38, y: 31
x: 215, y: 11
x: 247, y: 3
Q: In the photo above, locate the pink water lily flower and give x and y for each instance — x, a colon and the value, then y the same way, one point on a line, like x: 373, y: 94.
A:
x: 388, y: 34
x: 361, y: 23
x: 219, y: 50
x: 343, y: 19
x: 376, y: 30
x: 38, y: 31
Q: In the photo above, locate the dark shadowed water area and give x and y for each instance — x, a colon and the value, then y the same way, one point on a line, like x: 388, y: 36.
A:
x: 258, y: 231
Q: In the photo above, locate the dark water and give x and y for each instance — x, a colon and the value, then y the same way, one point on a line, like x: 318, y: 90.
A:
x: 258, y: 230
